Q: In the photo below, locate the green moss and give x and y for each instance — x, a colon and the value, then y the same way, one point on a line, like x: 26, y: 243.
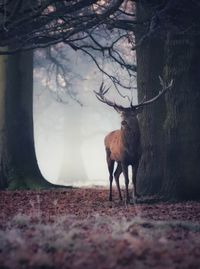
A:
x: 32, y: 184
x: 28, y: 184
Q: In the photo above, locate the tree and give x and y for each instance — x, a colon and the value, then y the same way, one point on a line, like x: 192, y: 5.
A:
x: 182, y: 125
x: 170, y: 131
x: 19, y: 167
x: 72, y: 150
x: 150, y: 60
x: 3, y: 178
x: 27, y: 24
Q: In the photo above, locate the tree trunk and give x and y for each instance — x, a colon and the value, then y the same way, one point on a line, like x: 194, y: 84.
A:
x: 3, y: 172
x: 149, y: 67
x: 182, y: 124
x: 22, y: 169
x: 72, y: 157
x: 170, y: 130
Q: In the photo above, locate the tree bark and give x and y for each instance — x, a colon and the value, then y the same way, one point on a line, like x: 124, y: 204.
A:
x: 22, y: 168
x: 3, y: 170
x: 149, y: 67
x: 182, y: 124
x: 170, y: 128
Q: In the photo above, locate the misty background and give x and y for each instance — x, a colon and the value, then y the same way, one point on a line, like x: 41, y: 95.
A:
x: 70, y: 126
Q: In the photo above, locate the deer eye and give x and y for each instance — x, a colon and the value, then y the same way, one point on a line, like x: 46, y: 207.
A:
x: 123, y: 123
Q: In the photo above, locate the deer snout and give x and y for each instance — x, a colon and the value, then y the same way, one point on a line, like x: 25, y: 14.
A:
x: 125, y: 125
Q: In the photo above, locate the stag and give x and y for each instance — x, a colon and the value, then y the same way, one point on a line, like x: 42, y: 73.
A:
x: 123, y: 146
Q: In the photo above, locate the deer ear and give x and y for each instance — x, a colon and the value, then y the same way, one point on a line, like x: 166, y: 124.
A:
x: 139, y: 109
x: 118, y: 110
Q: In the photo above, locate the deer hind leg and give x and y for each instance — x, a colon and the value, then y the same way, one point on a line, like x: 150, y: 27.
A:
x: 117, y: 174
x: 134, y: 176
x: 125, y: 172
x: 110, y: 163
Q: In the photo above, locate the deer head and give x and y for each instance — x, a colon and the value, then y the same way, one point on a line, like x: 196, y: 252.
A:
x: 128, y: 114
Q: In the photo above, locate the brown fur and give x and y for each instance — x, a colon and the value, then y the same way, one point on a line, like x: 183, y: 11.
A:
x: 123, y: 146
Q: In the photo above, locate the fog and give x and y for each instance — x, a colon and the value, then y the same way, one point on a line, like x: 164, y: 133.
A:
x: 69, y: 137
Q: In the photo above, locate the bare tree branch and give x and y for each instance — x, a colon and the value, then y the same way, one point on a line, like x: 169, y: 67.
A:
x: 28, y: 26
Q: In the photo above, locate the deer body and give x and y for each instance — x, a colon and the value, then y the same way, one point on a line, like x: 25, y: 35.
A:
x: 123, y: 146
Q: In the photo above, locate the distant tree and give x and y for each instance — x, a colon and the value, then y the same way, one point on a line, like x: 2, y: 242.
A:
x: 61, y: 80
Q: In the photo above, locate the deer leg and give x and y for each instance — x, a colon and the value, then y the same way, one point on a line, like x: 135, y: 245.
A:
x: 110, y: 168
x: 110, y: 163
x: 117, y: 174
x: 125, y: 172
x: 134, y: 176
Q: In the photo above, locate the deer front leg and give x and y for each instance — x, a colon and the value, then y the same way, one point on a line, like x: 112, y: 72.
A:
x: 125, y: 173
x: 117, y: 175
x: 110, y: 168
x: 110, y: 164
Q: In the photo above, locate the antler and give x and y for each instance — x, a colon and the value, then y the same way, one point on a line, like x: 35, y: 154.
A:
x: 101, y: 97
x: 103, y: 90
x: 165, y: 87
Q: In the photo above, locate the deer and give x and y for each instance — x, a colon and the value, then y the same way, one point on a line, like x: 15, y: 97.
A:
x: 123, y: 146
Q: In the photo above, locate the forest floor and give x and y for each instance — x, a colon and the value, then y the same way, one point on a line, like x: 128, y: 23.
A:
x: 80, y: 228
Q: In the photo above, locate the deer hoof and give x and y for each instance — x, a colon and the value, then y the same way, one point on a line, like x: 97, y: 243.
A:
x: 137, y: 195
x: 133, y: 200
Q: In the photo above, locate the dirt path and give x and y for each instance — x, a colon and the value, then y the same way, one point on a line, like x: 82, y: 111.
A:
x: 79, y: 228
